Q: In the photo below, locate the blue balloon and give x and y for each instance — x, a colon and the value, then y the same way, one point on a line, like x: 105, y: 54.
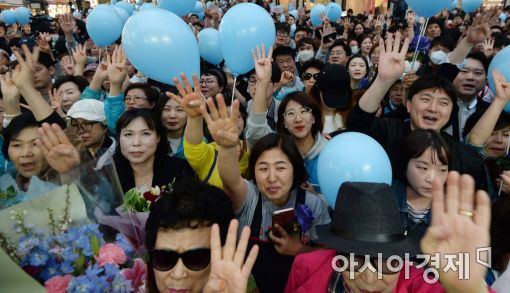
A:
x: 209, y: 45
x: 126, y: 6
x: 315, y: 14
x: 333, y: 11
x: 23, y: 15
x: 113, y: 2
x: 161, y: 45
x: 242, y: 28
x: 122, y: 14
x: 179, y: 7
x: 471, y: 5
x: 8, y: 16
x: 500, y: 62
x: 147, y: 6
x: 427, y: 8
x: 453, y: 5
x: 351, y: 157
x: 104, y: 25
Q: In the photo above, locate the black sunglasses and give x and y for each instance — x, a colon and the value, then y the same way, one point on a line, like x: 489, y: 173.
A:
x: 307, y: 76
x: 165, y: 259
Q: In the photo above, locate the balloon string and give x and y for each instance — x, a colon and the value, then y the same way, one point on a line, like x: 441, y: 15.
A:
x: 233, y: 90
x: 422, y: 33
x: 507, y: 150
x: 99, y: 55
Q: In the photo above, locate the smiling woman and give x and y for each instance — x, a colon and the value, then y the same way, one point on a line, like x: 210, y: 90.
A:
x: 141, y: 158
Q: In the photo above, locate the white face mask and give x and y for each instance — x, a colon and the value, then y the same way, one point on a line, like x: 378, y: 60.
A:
x: 438, y: 57
x: 305, y: 55
x: 408, y: 69
x: 354, y: 50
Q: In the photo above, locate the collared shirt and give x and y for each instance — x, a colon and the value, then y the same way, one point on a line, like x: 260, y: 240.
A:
x: 465, y: 111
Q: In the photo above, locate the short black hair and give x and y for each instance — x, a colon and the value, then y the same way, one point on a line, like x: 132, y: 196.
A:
x: 301, y: 28
x: 503, y: 120
x: 432, y: 82
x: 283, y: 51
x: 25, y: 120
x: 443, y: 41
x: 46, y: 60
x: 151, y: 92
x: 220, y: 76
x: 304, y: 41
x: 282, y: 26
x: 304, y: 100
x: 344, y: 45
x: 286, y: 144
x: 312, y: 63
x: 480, y: 56
x: 81, y: 82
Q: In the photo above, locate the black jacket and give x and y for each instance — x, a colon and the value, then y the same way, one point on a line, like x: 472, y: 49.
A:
x: 390, y: 133
x: 166, y: 170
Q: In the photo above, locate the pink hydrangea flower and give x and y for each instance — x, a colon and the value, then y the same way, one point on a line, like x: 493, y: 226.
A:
x: 111, y: 253
x: 58, y: 284
x: 137, y: 274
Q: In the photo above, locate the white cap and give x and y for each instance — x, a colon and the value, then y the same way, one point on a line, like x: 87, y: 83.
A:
x: 90, y: 110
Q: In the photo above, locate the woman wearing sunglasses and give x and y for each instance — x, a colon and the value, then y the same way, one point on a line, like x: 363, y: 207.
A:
x: 277, y: 172
x: 311, y: 70
x: 298, y: 116
x: 370, y: 244
x: 185, y: 248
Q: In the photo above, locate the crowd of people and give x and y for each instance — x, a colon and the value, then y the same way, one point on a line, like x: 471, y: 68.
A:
x: 234, y: 162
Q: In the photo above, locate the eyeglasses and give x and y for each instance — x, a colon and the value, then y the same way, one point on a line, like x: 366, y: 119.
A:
x: 307, y: 76
x: 285, y: 61
x: 136, y: 99
x: 83, y: 126
x: 386, y: 266
x: 292, y: 114
x: 206, y: 81
x: 165, y: 259
x: 282, y: 34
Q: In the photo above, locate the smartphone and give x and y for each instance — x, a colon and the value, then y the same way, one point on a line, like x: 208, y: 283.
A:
x: 287, y: 220
x: 329, y: 38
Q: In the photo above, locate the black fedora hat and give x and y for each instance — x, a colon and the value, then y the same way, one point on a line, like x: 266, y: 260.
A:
x: 335, y: 86
x: 367, y: 221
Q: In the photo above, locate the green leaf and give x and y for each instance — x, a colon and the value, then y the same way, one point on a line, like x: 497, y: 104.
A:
x: 94, y: 244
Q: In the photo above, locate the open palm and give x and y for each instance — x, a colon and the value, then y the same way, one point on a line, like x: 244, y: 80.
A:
x: 229, y: 270
x: 222, y: 124
x: 60, y: 154
x: 392, y: 58
x: 191, y: 99
x: 459, y: 226
x: 501, y: 85
x: 263, y: 67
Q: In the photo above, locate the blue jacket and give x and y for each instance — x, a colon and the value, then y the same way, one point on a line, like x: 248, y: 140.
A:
x: 399, y: 188
x: 113, y: 107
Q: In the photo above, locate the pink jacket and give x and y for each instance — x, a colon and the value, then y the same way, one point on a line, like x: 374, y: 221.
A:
x: 311, y: 272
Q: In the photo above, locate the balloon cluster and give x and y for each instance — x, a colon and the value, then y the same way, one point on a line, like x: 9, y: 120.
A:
x: 21, y: 15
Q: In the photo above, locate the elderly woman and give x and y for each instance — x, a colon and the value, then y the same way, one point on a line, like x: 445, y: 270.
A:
x: 184, y: 243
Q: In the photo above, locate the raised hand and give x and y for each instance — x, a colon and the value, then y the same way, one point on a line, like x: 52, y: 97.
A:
x: 460, y: 224
x: 379, y: 23
x: 66, y: 22
x: 501, y: 85
x: 327, y: 29
x: 60, y: 154
x: 191, y: 99
x: 392, y: 58
x: 67, y: 65
x: 286, y: 78
x: 222, y: 124
x: 43, y: 43
x: 488, y: 47
x: 117, y: 69
x: 80, y: 55
x: 263, y: 67
x: 411, y: 19
x: 229, y: 269
x: 23, y: 75
x: 480, y: 30
x: 286, y: 244
x: 10, y: 91
x: 56, y: 101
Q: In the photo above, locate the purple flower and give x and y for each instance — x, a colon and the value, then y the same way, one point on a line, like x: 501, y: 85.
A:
x: 304, y: 217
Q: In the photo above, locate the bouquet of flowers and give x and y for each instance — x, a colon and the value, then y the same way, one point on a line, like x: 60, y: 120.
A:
x: 133, y: 213
x: 75, y: 259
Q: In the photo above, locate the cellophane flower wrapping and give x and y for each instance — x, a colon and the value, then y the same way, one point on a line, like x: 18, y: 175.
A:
x: 60, y: 237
